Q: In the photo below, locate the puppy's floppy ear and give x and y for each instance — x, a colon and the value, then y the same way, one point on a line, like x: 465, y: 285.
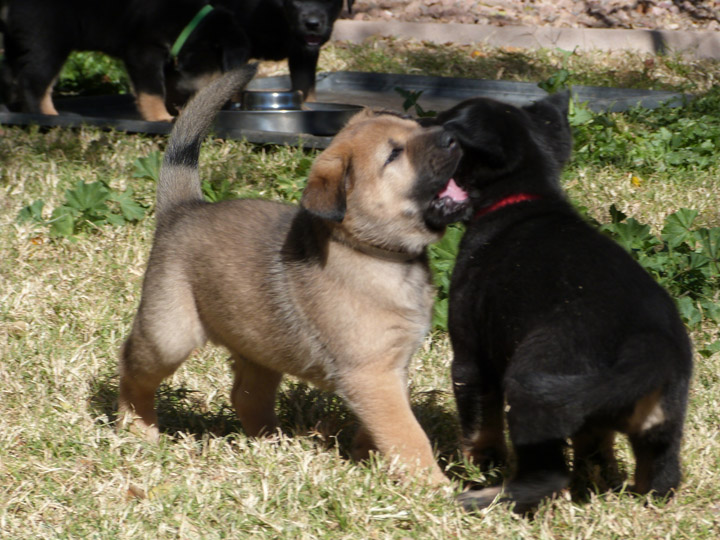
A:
x: 550, y: 116
x: 325, y: 194
x: 558, y: 103
x: 479, y: 140
x: 350, y: 5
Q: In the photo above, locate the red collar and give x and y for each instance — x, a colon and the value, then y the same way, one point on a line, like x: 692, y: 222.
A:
x: 506, y: 201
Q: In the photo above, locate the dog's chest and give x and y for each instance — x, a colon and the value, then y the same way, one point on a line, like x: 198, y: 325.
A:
x: 372, y: 309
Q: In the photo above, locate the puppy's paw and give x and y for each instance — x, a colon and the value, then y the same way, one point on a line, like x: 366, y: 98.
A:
x: 472, y: 501
x: 133, y: 424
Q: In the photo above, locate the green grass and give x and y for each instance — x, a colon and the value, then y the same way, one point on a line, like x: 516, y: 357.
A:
x: 67, y: 303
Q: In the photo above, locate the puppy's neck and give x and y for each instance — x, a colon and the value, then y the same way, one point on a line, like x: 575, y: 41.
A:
x: 509, y: 200
x: 378, y: 252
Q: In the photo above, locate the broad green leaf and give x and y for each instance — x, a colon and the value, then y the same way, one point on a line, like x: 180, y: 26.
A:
x: 710, y: 244
x: 131, y: 210
x: 677, y: 229
x: 632, y: 235
x: 88, y: 197
x: 62, y: 221
x: 711, y: 309
x: 689, y: 311
x: 32, y: 212
x: 148, y: 167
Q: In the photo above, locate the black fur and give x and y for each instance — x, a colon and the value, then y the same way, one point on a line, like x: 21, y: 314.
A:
x: 292, y: 29
x: 42, y: 33
x: 551, y: 316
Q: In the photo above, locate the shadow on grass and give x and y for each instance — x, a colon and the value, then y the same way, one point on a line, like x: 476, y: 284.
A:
x: 303, y: 411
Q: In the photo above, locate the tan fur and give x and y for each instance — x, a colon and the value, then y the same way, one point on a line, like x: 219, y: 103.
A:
x: 342, y: 301
x: 647, y: 414
x: 46, y: 104
x: 152, y: 108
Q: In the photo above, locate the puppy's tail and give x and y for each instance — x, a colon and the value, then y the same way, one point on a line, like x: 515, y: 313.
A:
x: 179, y: 178
x: 646, y: 363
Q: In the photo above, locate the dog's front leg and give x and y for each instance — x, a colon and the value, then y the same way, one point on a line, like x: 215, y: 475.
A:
x: 382, y: 404
x: 302, y: 66
x: 253, y: 396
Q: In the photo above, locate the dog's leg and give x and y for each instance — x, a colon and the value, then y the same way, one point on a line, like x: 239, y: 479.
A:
x: 381, y: 403
x: 253, y: 396
x: 36, y: 80
x: 140, y: 376
x: 657, y: 458
x: 166, y: 330
x: 541, y: 472
x: 594, y: 459
x: 480, y: 404
x: 302, y: 66
x: 146, y: 72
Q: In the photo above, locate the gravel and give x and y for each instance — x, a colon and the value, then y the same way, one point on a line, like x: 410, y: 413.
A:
x: 645, y: 14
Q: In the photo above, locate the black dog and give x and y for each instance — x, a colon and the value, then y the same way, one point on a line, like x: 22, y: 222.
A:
x: 292, y: 29
x: 554, y: 317
x: 40, y: 35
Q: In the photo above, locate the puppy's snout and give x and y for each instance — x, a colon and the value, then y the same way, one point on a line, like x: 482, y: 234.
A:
x: 312, y: 23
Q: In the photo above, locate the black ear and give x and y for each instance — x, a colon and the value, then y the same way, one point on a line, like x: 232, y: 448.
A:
x: 550, y: 117
x: 350, y: 5
x: 558, y: 103
x: 480, y: 141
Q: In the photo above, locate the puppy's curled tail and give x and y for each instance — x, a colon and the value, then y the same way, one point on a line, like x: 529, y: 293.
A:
x: 647, y: 362
x: 179, y: 178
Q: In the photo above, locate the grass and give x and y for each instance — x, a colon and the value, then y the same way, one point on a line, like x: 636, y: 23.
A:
x: 67, y: 303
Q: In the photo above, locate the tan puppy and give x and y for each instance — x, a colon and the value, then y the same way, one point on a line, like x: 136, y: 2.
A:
x: 336, y: 292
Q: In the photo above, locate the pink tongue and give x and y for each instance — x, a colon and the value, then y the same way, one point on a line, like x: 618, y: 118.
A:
x: 455, y: 192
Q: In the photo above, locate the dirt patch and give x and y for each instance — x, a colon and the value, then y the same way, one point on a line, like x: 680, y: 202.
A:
x: 645, y: 14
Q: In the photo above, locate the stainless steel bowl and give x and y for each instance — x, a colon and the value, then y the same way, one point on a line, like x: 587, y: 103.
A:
x: 314, y: 119
x: 271, y: 100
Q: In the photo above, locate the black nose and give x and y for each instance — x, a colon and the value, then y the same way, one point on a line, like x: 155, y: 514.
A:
x: 312, y: 23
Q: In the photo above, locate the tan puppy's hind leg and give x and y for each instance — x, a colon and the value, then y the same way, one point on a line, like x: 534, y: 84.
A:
x: 253, y: 396
x: 136, y: 407
x: 381, y: 402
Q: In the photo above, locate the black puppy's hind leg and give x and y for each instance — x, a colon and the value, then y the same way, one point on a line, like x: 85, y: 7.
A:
x: 657, y: 455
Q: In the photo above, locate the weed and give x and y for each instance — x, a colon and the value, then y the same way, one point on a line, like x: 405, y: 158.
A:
x: 411, y: 102
x: 685, y: 260
x: 86, y: 208
x: 442, y: 257
x: 93, y: 73
x: 148, y: 167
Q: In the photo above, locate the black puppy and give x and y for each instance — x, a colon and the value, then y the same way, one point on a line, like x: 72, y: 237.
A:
x: 292, y: 29
x: 555, y: 318
x: 40, y: 35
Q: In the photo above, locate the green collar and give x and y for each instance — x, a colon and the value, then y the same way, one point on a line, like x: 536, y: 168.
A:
x: 182, y: 38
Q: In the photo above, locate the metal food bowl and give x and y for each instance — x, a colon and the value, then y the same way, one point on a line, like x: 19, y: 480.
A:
x: 270, y: 100
x: 313, y: 118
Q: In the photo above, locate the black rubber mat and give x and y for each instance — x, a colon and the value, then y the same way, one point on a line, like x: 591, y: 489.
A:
x: 366, y: 89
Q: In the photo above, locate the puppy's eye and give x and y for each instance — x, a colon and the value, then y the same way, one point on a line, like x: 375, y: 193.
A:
x: 394, y: 154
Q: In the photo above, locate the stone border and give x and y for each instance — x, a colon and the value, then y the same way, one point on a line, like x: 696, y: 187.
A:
x: 705, y: 44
